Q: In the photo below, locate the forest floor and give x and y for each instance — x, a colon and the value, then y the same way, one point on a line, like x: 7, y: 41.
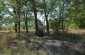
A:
x: 69, y: 43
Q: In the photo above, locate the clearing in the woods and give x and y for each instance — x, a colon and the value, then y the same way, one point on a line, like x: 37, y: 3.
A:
x: 67, y: 43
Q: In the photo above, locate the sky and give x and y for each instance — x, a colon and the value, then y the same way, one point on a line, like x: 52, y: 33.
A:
x: 39, y: 16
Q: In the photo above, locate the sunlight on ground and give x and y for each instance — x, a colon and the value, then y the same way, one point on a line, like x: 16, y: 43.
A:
x: 31, y: 45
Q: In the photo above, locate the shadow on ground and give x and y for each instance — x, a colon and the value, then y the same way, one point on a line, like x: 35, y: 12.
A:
x: 56, y: 44
x: 67, y: 36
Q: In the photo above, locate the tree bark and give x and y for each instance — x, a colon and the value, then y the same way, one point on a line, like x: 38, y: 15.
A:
x: 62, y: 17
x: 46, y: 17
x: 18, y: 23
x: 18, y: 29
x: 59, y: 22
x: 47, y: 23
x: 15, y: 21
x: 62, y: 23
x: 36, y: 24
x: 18, y: 13
x: 15, y: 27
x: 26, y: 23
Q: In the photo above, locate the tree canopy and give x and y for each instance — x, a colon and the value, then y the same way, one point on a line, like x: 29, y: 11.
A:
x: 57, y: 14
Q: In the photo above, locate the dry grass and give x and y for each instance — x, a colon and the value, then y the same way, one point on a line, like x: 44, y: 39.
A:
x: 77, y: 31
x: 7, y: 36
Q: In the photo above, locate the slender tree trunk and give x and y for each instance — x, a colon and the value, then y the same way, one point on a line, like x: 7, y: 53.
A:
x: 36, y: 25
x: 15, y: 21
x: 18, y: 23
x: 0, y: 26
x: 46, y: 16
x: 18, y: 11
x: 26, y: 22
x: 58, y: 25
x: 35, y: 14
x: 16, y: 27
x: 62, y: 24
x: 47, y: 23
x: 62, y: 17
x: 59, y: 22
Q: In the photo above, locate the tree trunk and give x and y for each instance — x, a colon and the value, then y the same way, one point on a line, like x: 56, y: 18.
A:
x: 15, y: 21
x: 62, y: 23
x: 59, y: 22
x: 26, y: 23
x: 47, y: 23
x: 15, y: 27
x: 18, y: 23
x: 36, y: 25
x: 46, y: 17
x: 63, y: 17
x: 18, y: 11
x: 18, y: 29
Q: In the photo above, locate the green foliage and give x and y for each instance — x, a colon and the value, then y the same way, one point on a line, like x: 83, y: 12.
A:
x: 7, y: 27
x: 54, y: 24
x: 72, y: 12
x: 76, y: 12
x: 73, y: 26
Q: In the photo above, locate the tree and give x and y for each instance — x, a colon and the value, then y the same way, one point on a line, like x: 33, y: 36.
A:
x: 76, y: 14
x: 35, y: 14
x: 46, y: 16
